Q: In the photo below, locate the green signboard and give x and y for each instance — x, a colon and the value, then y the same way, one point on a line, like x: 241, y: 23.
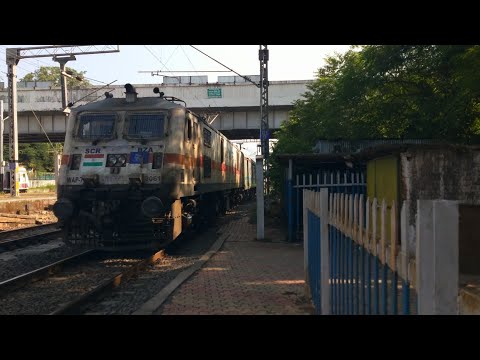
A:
x: 214, y: 93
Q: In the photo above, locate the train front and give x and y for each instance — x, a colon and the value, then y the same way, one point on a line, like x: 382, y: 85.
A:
x: 112, y: 182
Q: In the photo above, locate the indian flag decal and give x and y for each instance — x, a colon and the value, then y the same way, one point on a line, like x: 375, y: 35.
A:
x: 93, y: 159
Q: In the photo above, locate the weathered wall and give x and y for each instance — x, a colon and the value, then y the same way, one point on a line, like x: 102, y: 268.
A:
x: 449, y: 173
x: 25, y: 205
x: 40, y: 183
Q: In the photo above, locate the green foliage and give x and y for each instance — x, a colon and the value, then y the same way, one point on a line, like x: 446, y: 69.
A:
x: 52, y: 73
x: 387, y: 91
x: 37, y: 156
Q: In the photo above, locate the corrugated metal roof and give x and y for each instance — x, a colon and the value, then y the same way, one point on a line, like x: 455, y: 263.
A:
x: 355, y: 146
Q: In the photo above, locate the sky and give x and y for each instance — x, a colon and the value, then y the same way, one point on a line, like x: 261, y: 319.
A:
x: 286, y: 62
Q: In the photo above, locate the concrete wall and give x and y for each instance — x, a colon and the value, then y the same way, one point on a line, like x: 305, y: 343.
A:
x: 449, y: 173
x: 40, y: 183
x: 25, y: 205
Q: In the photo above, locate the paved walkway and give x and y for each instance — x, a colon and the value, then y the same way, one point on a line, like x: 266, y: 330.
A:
x: 245, y: 276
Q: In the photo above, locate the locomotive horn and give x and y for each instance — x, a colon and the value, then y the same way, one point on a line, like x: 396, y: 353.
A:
x: 130, y: 93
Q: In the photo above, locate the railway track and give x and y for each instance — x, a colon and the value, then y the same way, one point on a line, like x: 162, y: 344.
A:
x: 76, y: 306
x: 40, y: 273
x: 67, y: 286
x: 12, y: 239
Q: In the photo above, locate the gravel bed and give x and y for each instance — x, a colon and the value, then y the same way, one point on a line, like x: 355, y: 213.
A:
x: 183, y: 253
x: 44, y: 296
x: 28, y: 262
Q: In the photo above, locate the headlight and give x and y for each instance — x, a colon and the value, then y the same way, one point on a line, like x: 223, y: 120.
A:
x: 116, y: 160
x: 121, y: 160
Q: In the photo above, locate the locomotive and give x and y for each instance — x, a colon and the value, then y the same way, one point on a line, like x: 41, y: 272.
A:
x: 136, y: 172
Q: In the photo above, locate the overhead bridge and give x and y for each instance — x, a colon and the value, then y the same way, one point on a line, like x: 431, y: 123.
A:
x: 232, y: 108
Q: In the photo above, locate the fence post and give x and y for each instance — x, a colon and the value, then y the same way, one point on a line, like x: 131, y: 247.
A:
x: 325, y: 253
x: 260, y: 201
x: 437, y: 257
x: 290, y: 199
x: 306, y: 194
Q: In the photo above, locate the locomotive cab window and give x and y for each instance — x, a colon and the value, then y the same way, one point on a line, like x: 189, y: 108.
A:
x: 145, y: 125
x: 96, y: 126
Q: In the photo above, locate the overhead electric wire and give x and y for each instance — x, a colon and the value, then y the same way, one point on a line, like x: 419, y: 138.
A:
x: 165, y: 66
x: 41, y: 126
x: 73, y: 103
x: 195, y: 70
x: 242, y: 76
x: 155, y: 56
x: 173, y: 52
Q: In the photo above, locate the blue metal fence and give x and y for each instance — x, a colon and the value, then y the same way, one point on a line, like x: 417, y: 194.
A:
x: 364, y: 276
x: 348, y: 182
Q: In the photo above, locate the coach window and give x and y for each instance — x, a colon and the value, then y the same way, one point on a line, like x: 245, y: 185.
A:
x: 188, y: 125
x: 207, y: 138
x: 221, y: 152
x: 207, y: 167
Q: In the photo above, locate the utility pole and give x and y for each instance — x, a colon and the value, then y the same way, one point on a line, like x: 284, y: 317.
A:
x: 264, y: 131
x: 262, y: 149
x: 2, y: 168
x: 63, y: 81
x: 13, y: 56
x: 12, y: 62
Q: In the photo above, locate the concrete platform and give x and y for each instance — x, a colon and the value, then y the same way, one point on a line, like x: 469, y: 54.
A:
x: 245, y: 276
x: 24, y: 202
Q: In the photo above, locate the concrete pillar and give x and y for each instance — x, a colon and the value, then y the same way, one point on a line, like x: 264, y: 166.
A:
x: 437, y: 257
x: 290, y: 200
x: 324, y: 253
x: 305, y: 245
x: 57, y: 159
x: 260, y: 201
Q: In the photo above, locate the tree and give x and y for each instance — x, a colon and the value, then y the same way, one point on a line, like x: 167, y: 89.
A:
x: 37, y: 156
x: 52, y: 73
x: 388, y: 91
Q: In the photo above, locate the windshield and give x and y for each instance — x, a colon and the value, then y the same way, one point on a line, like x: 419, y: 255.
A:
x: 146, y: 125
x: 96, y: 126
